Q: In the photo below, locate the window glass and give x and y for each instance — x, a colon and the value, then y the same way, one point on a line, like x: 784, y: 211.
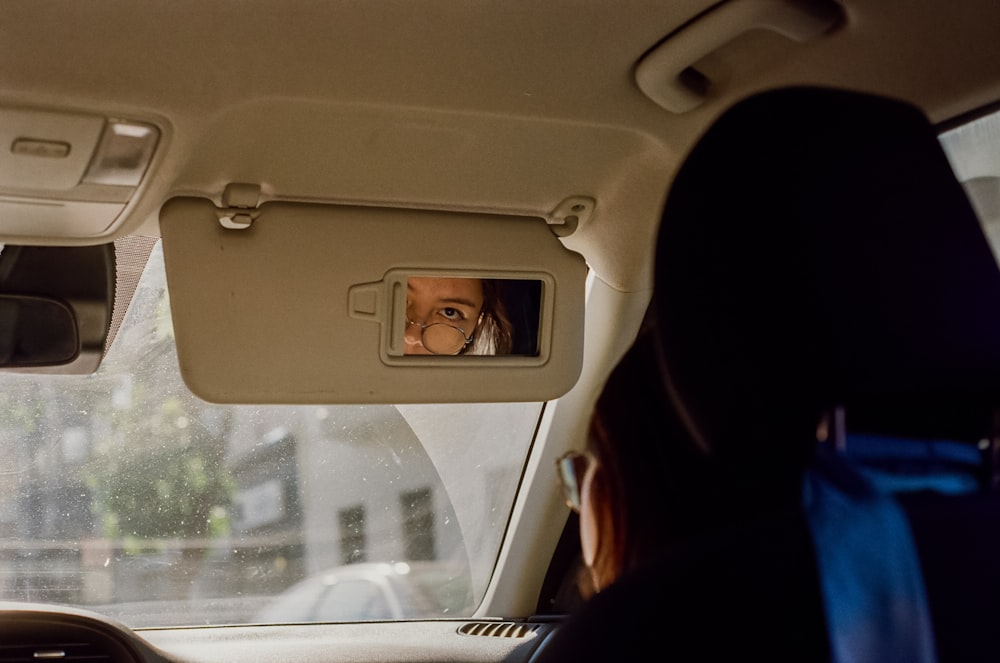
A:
x: 974, y: 151
x: 352, y: 600
x: 123, y: 493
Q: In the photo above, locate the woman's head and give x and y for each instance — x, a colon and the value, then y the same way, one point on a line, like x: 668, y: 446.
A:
x: 643, y: 474
x: 448, y: 315
x: 618, y: 493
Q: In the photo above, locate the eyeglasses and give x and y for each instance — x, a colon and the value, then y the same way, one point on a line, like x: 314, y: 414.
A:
x: 572, y: 467
x: 440, y: 338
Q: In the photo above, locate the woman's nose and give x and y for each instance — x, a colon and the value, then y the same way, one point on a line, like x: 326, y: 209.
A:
x: 412, y: 339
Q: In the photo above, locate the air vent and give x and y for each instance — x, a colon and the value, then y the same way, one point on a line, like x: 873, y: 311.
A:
x: 500, y: 629
x: 54, y: 651
x: 35, y: 637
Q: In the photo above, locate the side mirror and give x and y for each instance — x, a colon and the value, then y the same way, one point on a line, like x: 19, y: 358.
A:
x: 36, y: 331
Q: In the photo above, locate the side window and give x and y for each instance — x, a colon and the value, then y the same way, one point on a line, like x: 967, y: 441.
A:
x: 418, y: 524
x: 973, y: 148
x: 352, y: 535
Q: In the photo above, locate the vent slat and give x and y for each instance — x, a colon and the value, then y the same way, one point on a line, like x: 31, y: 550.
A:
x: 499, y: 629
x: 50, y: 651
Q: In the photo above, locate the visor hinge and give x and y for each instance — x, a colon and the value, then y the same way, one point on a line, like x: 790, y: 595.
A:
x: 239, y: 206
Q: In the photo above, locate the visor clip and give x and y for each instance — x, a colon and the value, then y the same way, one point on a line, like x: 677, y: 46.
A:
x: 569, y: 215
x: 239, y: 206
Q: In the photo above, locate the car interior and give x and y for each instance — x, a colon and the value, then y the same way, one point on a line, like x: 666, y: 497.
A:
x: 300, y: 303
x: 832, y: 307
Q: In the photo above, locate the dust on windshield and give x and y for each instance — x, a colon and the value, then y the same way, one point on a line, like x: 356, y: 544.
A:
x: 123, y: 493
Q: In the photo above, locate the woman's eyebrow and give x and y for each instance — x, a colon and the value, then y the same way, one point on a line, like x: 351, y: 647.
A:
x: 457, y: 300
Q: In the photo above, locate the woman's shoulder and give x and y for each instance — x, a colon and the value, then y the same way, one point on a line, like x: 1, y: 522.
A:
x: 720, y: 596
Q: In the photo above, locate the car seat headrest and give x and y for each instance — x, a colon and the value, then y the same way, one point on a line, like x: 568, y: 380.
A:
x: 817, y: 251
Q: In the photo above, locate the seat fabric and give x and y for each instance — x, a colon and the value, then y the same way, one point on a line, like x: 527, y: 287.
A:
x: 817, y: 255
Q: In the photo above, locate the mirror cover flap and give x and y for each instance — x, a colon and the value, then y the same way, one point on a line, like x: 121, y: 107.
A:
x: 267, y: 315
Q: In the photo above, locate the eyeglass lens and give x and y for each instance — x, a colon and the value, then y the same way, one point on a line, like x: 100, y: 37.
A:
x: 572, y: 468
x: 443, y: 339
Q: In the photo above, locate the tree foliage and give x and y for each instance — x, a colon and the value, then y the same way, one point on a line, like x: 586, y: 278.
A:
x: 163, y: 493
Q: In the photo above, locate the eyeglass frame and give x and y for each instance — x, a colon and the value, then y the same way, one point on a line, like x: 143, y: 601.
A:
x: 423, y: 328
x: 570, y: 480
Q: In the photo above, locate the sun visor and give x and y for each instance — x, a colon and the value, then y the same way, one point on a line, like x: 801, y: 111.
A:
x: 313, y: 303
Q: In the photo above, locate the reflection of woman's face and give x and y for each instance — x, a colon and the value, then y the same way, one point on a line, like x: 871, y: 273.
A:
x: 431, y: 300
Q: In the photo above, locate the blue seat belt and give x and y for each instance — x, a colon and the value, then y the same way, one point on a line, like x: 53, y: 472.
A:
x: 870, y: 577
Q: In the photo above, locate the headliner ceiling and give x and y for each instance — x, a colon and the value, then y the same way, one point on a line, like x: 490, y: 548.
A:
x: 494, y: 106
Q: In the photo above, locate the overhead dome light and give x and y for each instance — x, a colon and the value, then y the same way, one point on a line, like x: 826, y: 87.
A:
x: 68, y: 175
x: 123, y: 154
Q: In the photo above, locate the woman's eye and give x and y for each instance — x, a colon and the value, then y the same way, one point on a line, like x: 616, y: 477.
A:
x: 452, y: 313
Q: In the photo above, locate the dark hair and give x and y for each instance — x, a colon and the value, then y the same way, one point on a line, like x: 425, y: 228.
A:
x: 494, y: 333
x: 653, y: 479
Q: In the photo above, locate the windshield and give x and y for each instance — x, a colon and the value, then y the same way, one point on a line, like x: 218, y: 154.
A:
x: 123, y: 493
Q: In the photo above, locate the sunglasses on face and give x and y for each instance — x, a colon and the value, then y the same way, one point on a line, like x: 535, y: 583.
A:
x: 572, y: 467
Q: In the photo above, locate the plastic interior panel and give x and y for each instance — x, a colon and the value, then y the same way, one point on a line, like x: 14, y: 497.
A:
x: 660, y: 73
x: 266, y: 315
x: 21, y: 217
x: 46, y: 150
